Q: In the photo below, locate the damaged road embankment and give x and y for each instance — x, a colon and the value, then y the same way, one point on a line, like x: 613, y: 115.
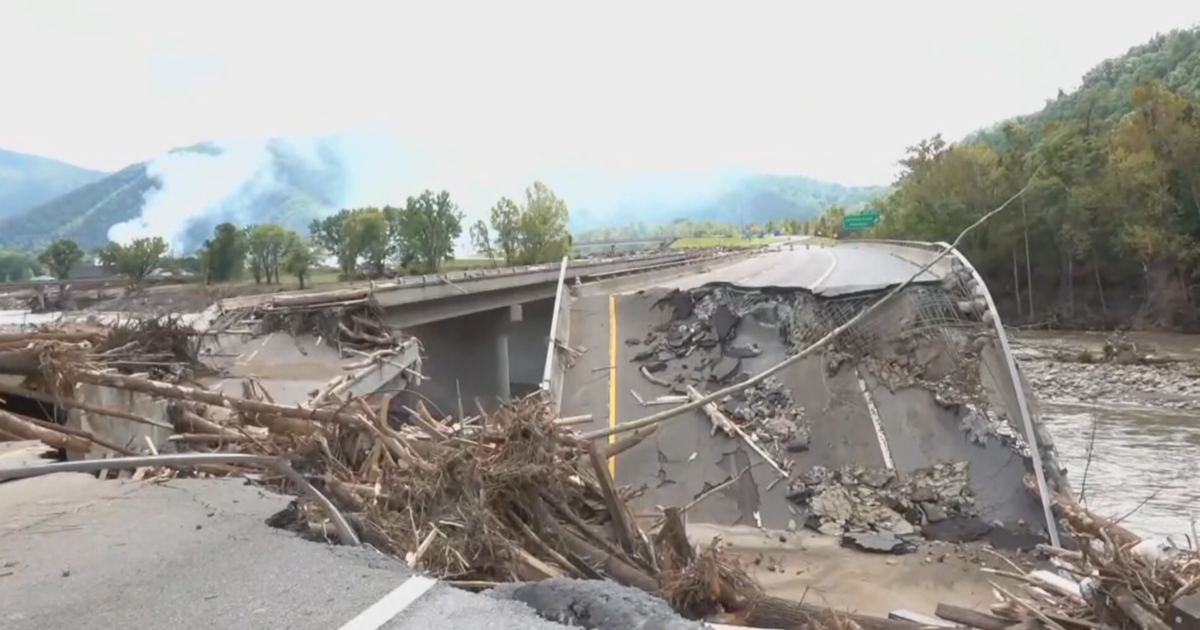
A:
x: 904, y: 427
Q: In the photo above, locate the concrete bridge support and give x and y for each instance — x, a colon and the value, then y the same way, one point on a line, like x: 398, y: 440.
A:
x: 508, y: 317
x: 491, y: 355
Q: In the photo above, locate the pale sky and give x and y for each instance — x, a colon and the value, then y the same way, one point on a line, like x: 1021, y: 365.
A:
x: 833, y: 90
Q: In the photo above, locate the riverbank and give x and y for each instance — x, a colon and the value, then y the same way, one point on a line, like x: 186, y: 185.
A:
x: 1160, y: 371
x: 1126, y: 431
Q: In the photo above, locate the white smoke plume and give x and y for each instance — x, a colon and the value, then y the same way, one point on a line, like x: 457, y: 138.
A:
x: 193, y: 183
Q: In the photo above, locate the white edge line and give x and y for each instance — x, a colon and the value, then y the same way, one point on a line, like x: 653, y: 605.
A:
x: 873, y: 411
x: 828, y: 272
x: 391, y: 605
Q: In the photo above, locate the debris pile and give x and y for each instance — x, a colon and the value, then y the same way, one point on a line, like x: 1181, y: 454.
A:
x: 770, y: 414
x: 877, y: 510
x: 503, y: 496
x: 347, y: 318
x: 699, y: 349
x: 1113, y: 580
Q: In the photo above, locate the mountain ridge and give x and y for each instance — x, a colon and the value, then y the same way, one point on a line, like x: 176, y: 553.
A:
x: 27, y: 180
x: 183, y: 194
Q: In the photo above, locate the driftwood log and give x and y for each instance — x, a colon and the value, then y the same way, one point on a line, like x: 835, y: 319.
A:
x: 323, y: 297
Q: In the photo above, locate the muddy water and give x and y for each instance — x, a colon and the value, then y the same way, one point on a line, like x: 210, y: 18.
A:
x: 1139, y: 427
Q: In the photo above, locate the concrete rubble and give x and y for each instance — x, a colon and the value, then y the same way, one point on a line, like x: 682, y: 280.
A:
x: 698, y: 348
x: 875, y: 505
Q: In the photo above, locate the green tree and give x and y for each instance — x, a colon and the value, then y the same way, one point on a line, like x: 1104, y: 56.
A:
x: 225, y: 253
x: 366, y: 239
x: 135, y: 260
x: 267, y: 244
x: 331, y: 235
x: 482, y: 240
x: 302, y: 257
x: 428, y: 226
x: 506, y: 217
x: 543, y: 226
x: 61, y: 257
x: 16, y: 265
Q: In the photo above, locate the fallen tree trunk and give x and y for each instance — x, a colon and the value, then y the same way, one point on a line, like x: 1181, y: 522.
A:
x: 323, y: 297
x: 27, y: 429
x: 71, y: 403
x: 22, y: 362
x: 208, y: 397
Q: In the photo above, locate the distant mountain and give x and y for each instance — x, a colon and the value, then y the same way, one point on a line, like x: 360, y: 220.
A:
x: 745, y: 198
x: 29, y: 180
x: 267, y: 183
x: 182, y: 195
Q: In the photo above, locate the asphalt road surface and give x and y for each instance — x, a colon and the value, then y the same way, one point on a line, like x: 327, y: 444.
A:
x: 683, y: 459
x: 830, y: 270
x: 195, y: 554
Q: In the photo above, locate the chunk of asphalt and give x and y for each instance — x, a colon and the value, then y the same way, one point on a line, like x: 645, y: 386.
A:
x: 595, y: 605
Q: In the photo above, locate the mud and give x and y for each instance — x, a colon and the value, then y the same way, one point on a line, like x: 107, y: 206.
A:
x: 806, y: 566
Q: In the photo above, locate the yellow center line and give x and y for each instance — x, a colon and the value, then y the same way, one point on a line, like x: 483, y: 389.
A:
x: 612, y: 379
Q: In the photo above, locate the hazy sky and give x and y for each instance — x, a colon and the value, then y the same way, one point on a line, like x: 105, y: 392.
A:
x: 834, y: 90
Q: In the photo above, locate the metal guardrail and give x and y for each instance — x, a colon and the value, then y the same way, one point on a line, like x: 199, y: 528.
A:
x: 1027, y: 421
x: 485, y: 273
x: 559, y: 321
x: 400, y: 282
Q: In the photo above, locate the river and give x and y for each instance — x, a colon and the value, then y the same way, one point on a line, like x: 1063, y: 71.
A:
x: 1129, y: 435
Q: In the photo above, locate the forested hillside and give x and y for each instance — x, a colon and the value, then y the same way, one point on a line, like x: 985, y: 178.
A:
x: 28, y: 180
x: 1108, y: 233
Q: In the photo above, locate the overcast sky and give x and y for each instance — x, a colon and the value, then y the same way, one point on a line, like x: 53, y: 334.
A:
x: 833, y: 90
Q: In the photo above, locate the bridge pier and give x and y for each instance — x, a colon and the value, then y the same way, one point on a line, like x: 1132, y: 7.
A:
x: 508, y: 317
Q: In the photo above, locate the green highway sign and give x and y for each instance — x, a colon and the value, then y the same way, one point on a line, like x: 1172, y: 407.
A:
x: 861, y: 221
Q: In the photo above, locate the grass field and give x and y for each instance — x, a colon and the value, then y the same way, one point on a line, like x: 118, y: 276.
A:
x: 722, y: 241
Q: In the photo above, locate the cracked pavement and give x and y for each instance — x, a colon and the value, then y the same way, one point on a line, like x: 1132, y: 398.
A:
x: 682, y: 460
x: 196, y: 554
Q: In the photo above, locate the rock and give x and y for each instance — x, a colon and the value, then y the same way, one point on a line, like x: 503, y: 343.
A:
x: 725, y: 368
x: 901, y: 527
x: 633, y: 341
x: 876, y: 499
x: 800, y: 441
x: 656, y: 367
x: 933, y: 513
x: 746, y: 351
x: 877, y: 542
x: 778, y: 428
x: 876, y: 477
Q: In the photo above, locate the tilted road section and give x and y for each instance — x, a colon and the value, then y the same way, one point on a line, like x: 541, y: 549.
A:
x: 914, y: 400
